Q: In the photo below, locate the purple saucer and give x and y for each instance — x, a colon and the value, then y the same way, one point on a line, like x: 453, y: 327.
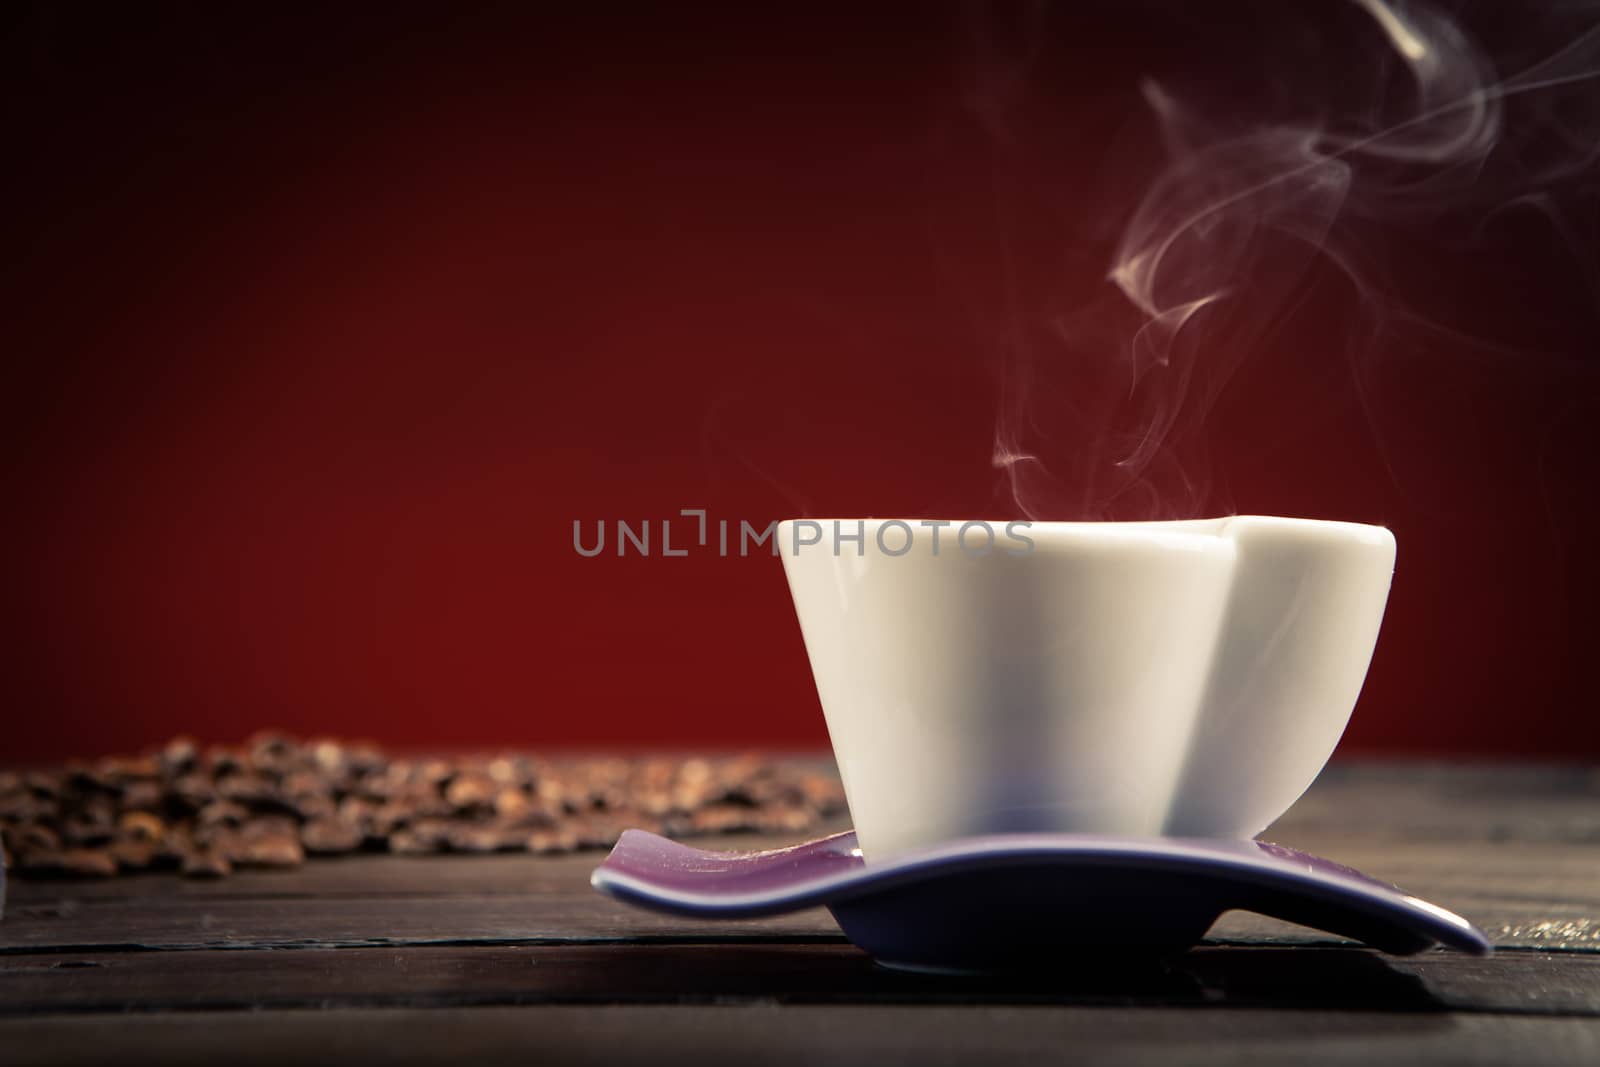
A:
x: 1012, y: 900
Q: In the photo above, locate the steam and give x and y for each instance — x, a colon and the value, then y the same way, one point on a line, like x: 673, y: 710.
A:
x: 1226, y: 237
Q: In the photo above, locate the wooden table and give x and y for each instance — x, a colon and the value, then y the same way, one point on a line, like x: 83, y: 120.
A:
x: 515, y: 958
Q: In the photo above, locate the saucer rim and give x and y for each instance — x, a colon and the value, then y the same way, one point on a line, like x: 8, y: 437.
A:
x: 1241, y: 858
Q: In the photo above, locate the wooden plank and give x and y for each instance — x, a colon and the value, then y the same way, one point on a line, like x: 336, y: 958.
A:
x: 576, y: 914
x: 1451, y: 802
x: 515, y: 958
x: 1344, y: 979
x: 783, y: 1034
x: 1537, y: 888
x: 1539, y: 895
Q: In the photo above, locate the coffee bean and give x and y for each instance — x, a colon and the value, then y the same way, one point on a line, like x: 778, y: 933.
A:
x: 141, y: 826
x: 271, y: 753
x: 552, y: 841
x: 193, y: 791
x: 245, y: 788
x: 273, y: 800
x: 435, y: 772
x: 599, y: 831
x: 222, y: 813
x: 178, y: 757
x: 205, y: 863
x: 176, y: 844
x: 822, y: 792
x: 271, y: 826
x: 31, y: 837
x: 723, y: 818
x: 407, y: 843
x: 276, y: 849
x: 88, y: 828
x: 692, y: 796
x: 26, y: 807
x: 656, y: 773
x: 512, y: 804
x: 328, y: 759
x: 470, y: 793
x: 391, y: 817
x: 142, y: 796
x: 426, y: 835
x: 220, y: 760
x: 304, y: 783
x: 124, y: 769
x: 314, y: 806
x: 552, y: 792
x: 88, y: 862
x: 509, y: 771
x: 82, y: 778
x: 478, y: 837
x: 785, y: 819
x: 656, y: 802
x: 223, y: 840
x: 330, y: 836
x: 134, y: 854
x: 363, y: 756
x: 357, y: 811
x: 44, y: 783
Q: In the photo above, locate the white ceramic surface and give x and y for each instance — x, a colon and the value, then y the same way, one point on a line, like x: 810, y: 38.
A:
x: 1186, y: 678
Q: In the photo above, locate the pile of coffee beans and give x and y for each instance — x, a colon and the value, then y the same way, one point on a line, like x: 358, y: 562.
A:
x: 274, y: 801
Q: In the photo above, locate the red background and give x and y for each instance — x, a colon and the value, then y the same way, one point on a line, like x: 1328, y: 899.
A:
x: 323, y: 327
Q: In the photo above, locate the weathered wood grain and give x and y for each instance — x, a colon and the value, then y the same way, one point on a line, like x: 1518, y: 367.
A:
x: 576, y: 913
x: 1451, y: 802
x: 1346, y: 979
x: 1536, y: 895
x: 737, y: 1035
x: 515, y: 957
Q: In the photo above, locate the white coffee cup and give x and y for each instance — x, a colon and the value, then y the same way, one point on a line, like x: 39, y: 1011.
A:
x: 1183, y: 678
